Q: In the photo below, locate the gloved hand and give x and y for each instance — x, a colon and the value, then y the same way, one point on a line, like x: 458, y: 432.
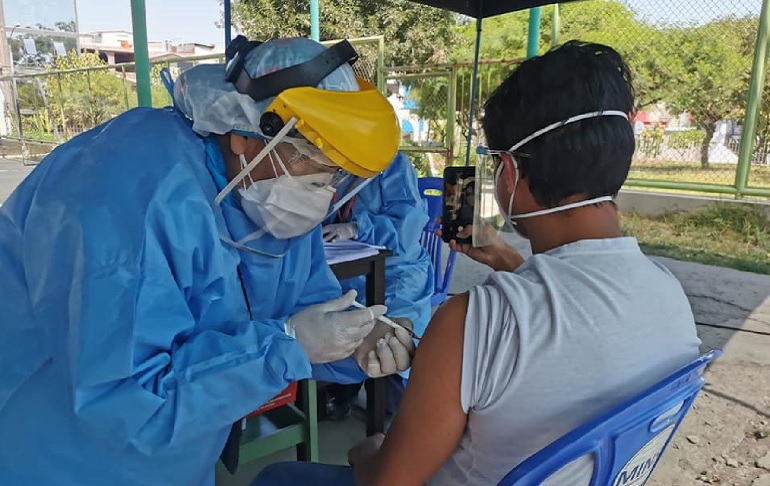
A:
x: 386, y: 351
x: 340, y: 232
x: 329, y: 332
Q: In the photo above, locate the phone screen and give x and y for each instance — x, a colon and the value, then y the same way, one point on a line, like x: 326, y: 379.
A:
x: 459, y: 198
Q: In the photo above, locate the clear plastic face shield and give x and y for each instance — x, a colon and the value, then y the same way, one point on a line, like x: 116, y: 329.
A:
x: 301, y: 189
x: 322, y: 146
x: 490, y: 213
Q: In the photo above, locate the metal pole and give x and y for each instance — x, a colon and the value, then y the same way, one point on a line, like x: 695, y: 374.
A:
x: 314, y: 28
x: 381, y: 65
x: 16, y: 101
x: 228, y: 22
x: 141, y: 53
x: 533, y: 33
x: 754, y: 101
x: 474, y: 85
x: 555, y: 25
x: 77, y: 27
x: 451, y: 110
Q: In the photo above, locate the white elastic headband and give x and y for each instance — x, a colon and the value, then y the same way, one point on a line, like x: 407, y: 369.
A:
x: 573, y: 119
x: 348, y: 196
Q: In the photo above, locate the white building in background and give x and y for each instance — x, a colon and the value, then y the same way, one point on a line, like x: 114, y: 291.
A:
x: 117, y: 47
x: 414, y: 130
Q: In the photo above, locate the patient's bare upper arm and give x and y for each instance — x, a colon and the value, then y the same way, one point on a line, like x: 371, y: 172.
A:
x: 430, y: 420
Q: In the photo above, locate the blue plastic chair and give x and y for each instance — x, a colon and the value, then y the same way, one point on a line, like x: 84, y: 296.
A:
x: 432, y: 243
x: 626, y: 442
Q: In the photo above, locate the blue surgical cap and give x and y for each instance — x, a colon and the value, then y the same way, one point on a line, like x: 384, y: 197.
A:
x: 214, y: 105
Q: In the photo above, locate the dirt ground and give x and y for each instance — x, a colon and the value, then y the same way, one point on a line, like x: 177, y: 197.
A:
x: 725, y: 439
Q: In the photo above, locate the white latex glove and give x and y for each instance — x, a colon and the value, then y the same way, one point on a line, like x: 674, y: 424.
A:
x: 329, y: 331
x: 386, y: 351
x: 340, y: 232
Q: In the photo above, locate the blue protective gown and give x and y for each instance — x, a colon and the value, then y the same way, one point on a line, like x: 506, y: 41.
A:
x: 126, y: 345
x: 390, y: 213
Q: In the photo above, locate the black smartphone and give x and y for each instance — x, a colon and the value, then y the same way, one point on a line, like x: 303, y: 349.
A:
x: 459, y: 198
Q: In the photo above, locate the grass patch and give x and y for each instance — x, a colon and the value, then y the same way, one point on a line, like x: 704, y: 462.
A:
x: 734, y: 236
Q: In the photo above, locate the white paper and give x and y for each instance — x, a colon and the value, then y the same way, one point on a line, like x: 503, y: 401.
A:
x: 345, y: 251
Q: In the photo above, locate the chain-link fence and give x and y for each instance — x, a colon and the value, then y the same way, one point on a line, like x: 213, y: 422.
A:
x: 45, y: 109
x: 371, y: 52
x: 433, y: 104
x: 692, y: 64
x: 759, y: 170
x: 48, y: 108
x: 422, y: 104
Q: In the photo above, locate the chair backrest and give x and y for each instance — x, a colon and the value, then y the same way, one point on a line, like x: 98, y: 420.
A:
x: 431, y: 189
x: 625, y: 442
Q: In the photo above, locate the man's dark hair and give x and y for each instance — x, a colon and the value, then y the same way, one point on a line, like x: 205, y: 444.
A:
x: 590, y: 157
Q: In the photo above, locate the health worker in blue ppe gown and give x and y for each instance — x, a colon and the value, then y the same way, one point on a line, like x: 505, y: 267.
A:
x: 164, y: 275
x: 389, y: 212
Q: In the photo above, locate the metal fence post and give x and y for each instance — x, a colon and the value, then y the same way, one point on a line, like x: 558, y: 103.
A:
x: 381, y: 65
x: 61, y: 108
x: 533, y: 33
x: 754, y: 101
x: 314, y: 24
x: 451, y: 111
x: 141, y: 53
x: 555, y: 25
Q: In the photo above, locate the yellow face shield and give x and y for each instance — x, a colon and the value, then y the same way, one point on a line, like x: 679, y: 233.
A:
x: 357, y: 130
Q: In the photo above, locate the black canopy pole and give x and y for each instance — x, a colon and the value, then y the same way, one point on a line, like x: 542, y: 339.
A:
x: 474, y: 83
x: 228, y: 22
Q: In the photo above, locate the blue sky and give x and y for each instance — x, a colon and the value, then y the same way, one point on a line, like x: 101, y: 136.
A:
x: 176, y: 20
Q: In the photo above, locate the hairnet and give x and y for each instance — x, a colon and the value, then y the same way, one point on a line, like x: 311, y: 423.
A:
x: 214, y: 105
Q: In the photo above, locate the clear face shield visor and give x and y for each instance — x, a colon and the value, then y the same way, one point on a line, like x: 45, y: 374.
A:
x: 298, y: 191
x: 488, y: 220
x: 297, y: 157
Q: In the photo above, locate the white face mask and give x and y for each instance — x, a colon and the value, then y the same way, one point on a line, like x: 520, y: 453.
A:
x: 509, y: 217
x: 288, y: 206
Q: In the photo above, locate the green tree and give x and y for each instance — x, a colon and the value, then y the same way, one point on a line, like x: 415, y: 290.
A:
x: 505, y: 37
x: 413, y: 33
x: 607, y: 22
x: 710, y: 79
x: 82, y: 100
x: 617, y: 25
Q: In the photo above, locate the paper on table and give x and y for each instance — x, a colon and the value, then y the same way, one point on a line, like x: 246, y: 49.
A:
x: 345, y: 251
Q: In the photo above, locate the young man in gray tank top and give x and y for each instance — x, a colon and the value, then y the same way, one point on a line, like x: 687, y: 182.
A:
x: 547, y: 343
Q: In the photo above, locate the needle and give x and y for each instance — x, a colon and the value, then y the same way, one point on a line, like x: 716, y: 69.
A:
x: 393, y: 324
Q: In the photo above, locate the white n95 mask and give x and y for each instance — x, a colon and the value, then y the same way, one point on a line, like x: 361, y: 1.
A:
x: 288, y: 206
